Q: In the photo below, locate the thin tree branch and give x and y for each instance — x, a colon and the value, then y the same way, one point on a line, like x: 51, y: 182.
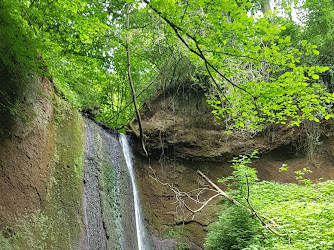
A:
x: 254, y: 212
x: 120, y: 111
x: 244, y: 56
x: 199, y: 53
x: 179, y: 196
x: 218, y: 189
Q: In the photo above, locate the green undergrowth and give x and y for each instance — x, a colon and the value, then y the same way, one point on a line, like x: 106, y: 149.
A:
x: 58, y: 224
x: 304, y: 213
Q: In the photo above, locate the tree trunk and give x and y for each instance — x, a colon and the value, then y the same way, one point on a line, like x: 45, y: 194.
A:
x: 130, y: 77
x: 265, y: 6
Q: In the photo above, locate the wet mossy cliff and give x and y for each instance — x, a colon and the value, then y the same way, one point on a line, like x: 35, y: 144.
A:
x: 107, y: 192
x: 63, y: 179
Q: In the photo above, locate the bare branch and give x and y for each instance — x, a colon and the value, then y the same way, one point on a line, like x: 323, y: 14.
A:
x: 254, y: 212
x: 218, y: 189
x: 179, y: 196
x: 218, y: 192
x: 126, y: 106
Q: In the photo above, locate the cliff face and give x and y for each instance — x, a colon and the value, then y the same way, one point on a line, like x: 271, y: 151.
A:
x: 107, y: 192
x: 41, y: 173
x: 26, y: 152
x: 64, y: 183
x: 179, y: 124
x: 181, y: 138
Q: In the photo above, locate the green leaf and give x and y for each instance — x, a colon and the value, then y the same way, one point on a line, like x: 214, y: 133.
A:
x: 316, y: 52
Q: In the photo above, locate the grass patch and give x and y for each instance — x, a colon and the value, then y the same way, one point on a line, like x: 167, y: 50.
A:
x: 305, y: 213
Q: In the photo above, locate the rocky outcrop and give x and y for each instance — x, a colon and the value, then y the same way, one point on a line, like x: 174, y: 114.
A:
x: 178, y: 124
x: 26, y: 155
x: 64, y: 183
x: 41, y: 173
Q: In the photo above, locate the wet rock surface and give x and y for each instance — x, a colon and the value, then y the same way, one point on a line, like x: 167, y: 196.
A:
x: 107, y: 192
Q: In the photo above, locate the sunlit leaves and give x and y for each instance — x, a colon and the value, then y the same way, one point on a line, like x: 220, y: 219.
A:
x: 18, y: 43
x: 287, y: 100
x: 304, y: 212
x: 268, y: 80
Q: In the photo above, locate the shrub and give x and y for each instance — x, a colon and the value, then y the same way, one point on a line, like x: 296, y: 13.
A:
x: 235, y: 229
x: 304, y: 213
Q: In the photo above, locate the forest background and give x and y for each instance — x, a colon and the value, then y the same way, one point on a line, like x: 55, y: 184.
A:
x: 257, y: 63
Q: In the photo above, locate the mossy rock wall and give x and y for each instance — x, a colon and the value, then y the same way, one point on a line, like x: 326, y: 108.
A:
x: 64, y: 184
x: 41, y: 175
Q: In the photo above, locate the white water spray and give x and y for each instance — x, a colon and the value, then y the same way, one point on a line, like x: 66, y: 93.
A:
x: 140, y: 228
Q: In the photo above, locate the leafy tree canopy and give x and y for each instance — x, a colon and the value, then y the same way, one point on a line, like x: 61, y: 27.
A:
x: 261, y: 66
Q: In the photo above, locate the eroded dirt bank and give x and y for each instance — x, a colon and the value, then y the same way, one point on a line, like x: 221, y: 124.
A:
x: 182, y: 138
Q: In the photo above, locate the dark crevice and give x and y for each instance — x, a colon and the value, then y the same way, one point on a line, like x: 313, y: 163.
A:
x: 190, y: 222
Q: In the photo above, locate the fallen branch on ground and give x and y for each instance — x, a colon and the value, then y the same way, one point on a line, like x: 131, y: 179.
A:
x: 181, y: 196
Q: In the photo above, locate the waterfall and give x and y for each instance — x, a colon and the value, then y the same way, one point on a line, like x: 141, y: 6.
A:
x: 111, y: 208
x: 140, y: 228
x: 108, y: 206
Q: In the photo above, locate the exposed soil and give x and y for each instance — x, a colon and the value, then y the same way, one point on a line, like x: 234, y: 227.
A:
x: 182, y: 138
x: 180, y: 125
x: 163, y: 211
x: 321, y: 165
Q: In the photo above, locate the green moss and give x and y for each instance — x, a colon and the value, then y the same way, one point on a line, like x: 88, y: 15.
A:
x: 182, y: 246
x: 114, y: 195
x: 173, y: 232
x: 178, y: 232
x: 109, y: 197
x: 65, y: 197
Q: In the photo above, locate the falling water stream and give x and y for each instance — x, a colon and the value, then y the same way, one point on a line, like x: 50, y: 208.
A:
x: 140, y: 228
